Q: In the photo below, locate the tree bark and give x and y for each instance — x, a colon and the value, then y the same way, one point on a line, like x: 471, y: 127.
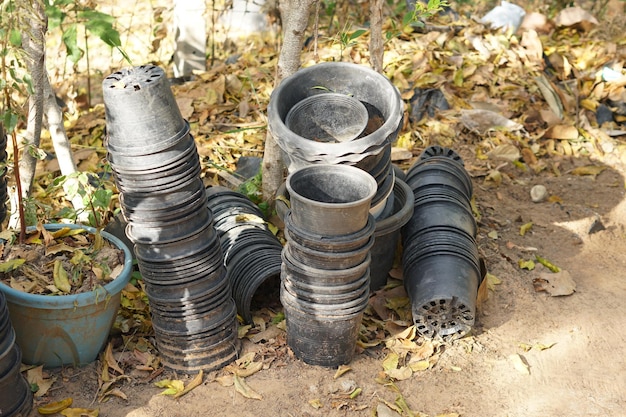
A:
x: 376, y: 35
x: 295, y: 18
x: 42, y: 102
x: 34, y: 48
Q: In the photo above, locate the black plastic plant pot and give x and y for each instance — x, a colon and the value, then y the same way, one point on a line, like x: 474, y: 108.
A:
x: 332, y: 200
x: 17, y: 398
x: 9, y: 358
x: 443, y: 289
x: 311, y: 295
x: 194, y: 324
x: 442, y: 191
x: 328, y: 117
x: 352, y: 306
x: 177, y: 250
x: 199, y: 290
x: 140, y: 109
x: 170, y: 159
x: 201, y: 259
x: 328, y: 260
x: 190, y: 310
x: 434, y: 212
x: 332, y: 244
x: 207, y: 360
x: 387, y: 235
x: 165, y: 184
x: 317, y: 276
x: 249, y: 279
x: 439, y: 175
x: 170, y: 230
x: 300, y: 285
x: 441, y: 152
x: 356, y: 81
x: 167, y: 203
x: 322, y: 341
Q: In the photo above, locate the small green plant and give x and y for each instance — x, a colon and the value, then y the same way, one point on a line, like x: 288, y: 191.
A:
x: 97, y: 198
x: 348, y: 39
x: 252, y: 188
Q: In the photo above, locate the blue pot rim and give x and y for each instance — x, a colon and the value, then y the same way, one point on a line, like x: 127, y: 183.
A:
x: 59, y: 302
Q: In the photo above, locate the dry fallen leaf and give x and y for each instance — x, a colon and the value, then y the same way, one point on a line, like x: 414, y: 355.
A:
x: 243, y: 388
x: 195, y: 382
x: 341, y: 370
x: 519, y: 364
x: 555, y: 284
x: 80, y: 412
x: 36, y: 378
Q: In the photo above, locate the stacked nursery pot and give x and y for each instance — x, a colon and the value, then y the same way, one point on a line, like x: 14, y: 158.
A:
x: 156, y: 168
x: 440, y: 256
x: 252, y: 253
x: 325, y: 270
x: 16, y: 398
x: 339, y: 113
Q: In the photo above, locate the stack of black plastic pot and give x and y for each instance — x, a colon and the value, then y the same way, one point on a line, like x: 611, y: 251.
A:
x: 440, y: 256
x: 252, y: 253
x: 156, y: 167
x: 325, y: 271
x: 16, y: 398
x: 339, y: 113
x: 3, y: 179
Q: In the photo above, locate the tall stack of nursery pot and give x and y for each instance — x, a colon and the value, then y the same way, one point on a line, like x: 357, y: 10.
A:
x: 325, y: 270
x: 156, y: 167
x: 339, y: 113
x: 16, y: 399
x: 440, y: 256
x: 252, y: 253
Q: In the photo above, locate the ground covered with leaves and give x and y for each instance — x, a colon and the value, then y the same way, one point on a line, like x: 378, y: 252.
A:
x: 523, y: 110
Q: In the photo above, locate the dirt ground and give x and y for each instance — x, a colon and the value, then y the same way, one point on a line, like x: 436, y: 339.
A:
x: 582, y: 373
x: 530, y: 354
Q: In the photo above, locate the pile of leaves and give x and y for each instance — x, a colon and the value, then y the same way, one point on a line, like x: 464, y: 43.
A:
x: 60, y: 262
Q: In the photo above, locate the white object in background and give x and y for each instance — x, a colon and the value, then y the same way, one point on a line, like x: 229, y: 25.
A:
x: 190, y: 35
x: 507, y: 16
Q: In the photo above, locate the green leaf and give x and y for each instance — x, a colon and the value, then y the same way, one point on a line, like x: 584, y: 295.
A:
x: 102, y: 198
x: 10, y: 120
x: 15, y: 37
x: 547, y: 264
x: 11, y: 265
x: 529, y: 264
x: 70, y: 40
x: 357, y: 33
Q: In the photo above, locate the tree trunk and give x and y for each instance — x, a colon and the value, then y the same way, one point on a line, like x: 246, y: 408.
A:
x: 295, y: 19
x: 34, y: 48
x: 376, y: 35
x: 42, y: 102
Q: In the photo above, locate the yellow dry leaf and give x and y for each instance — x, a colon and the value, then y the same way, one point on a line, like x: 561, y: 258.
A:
x: 225, y: 380
x: 592, y: 170
x: 11, y: 265
x: 448, y: 415
x: 525, y: 228
x: 391, y: 361
x: 519, y: 364
x: 172, y: 386
x: 61, y: 278
x: 316, y: 403
x: 541, y: 346
x: 400, y: 374
x: 492, y: 281
x: 195, y: 382
x: 525, y: 347
x: 341, y: 370
x: 526, y: 264
x: 110, y: 360
x: 80, y: 412
x: 35, y: 377
x: 243, y: 388
x: 419, y: 365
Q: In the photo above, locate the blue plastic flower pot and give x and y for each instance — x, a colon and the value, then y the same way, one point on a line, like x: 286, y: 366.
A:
x: 67, y: 329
